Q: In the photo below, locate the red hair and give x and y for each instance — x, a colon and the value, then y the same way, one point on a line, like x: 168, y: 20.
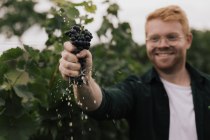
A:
x: 171, y: 13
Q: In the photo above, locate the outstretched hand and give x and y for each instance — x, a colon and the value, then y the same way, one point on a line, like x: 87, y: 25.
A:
x: 69, y: 62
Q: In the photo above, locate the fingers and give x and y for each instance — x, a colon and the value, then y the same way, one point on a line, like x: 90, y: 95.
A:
x: 69, y: 56
x: 69, y: 69
x: 69, y: 47
x: 69, y: 62
x: 68, y: 72
x: 84, y: 54
x: 70, y: 65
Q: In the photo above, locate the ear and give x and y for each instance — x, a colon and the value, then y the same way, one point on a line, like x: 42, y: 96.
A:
x: 189, y: 39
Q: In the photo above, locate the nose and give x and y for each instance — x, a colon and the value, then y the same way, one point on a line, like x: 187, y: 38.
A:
x: 163, y: 42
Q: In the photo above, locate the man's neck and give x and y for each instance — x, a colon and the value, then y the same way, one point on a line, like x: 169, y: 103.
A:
x: 180, y: 77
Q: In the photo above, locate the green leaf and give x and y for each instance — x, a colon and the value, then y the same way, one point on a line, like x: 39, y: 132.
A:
x: 2, y: 108
x: 90, y: 7
x: 113, y: 9
x: 2, y: 102
x: 3, y: 69
x: 40, y: 92
x: 105, y: 26
x: 17, y: 128
x: 72, y: 12
x: 2, y: 138
x: 21, y: 63
x: 33, y: 69
x: 22, y: 92
x: 13, y: 106
x: 16, y: 77
x: 88, y: 20
x: 34, y: 53
x: 11, y: 54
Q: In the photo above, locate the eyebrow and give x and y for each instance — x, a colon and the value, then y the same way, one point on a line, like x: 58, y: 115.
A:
x: 174, y: 33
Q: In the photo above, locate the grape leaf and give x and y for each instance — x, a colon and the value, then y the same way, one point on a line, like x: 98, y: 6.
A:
x: 11, y: 54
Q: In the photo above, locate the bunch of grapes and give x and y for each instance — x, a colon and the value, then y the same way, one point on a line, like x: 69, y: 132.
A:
x: 80, y: 38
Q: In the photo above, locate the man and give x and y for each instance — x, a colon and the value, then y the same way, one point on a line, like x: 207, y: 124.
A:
x: 169, y: 102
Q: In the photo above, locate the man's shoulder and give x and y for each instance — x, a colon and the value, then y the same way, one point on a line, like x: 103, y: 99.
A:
x: 134, y: 80
x: 196, y: 74
x: 142, y: 78
x: 206, y: 76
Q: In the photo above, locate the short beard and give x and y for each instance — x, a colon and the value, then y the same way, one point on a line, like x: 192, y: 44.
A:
x: 176, y: 66
x: 165, y: 49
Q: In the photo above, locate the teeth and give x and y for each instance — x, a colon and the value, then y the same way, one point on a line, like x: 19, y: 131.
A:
x: 163, y: 54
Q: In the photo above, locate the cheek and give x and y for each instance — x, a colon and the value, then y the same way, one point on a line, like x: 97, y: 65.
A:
x: 182, y: 49
x: 148, y: 51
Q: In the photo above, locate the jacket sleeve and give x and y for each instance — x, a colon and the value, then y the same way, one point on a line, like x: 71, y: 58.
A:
x: 117, y: 101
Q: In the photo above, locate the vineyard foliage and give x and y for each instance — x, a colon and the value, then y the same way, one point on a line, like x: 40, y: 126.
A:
x: 36, y: 103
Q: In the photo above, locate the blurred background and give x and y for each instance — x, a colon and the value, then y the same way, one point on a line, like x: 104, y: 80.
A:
x: 133, y: 12
x: 35, y: 102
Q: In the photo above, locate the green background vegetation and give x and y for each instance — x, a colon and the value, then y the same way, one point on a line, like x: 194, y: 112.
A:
x: 36, y: 104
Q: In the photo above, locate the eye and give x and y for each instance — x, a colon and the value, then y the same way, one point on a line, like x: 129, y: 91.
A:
x: 172, y: 37
x: 154, y: 38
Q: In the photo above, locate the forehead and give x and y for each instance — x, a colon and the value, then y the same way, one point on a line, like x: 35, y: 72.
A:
x: 160, y: 27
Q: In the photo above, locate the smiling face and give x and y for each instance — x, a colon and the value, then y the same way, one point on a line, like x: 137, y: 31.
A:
x: 167, y: 56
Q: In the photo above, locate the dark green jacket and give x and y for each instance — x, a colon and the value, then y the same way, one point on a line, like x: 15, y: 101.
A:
x: 143, y: 101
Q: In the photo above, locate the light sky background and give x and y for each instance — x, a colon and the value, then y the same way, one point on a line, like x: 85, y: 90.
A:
x: 132, y: 11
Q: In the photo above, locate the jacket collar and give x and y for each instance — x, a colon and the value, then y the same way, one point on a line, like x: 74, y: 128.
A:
x: 195, y: 75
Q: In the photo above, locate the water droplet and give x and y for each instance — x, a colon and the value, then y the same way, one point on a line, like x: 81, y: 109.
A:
x: 89, y: 129
x: 79, y: 103
x: 70, y: 124
x: 94, y: 101
x: 69, y: 103
x: 59, y: 116
x: 83, y: 132
x: 82, y: 115
x: 86, y: 117
x: 72, y: 138
x: 60, y: 124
